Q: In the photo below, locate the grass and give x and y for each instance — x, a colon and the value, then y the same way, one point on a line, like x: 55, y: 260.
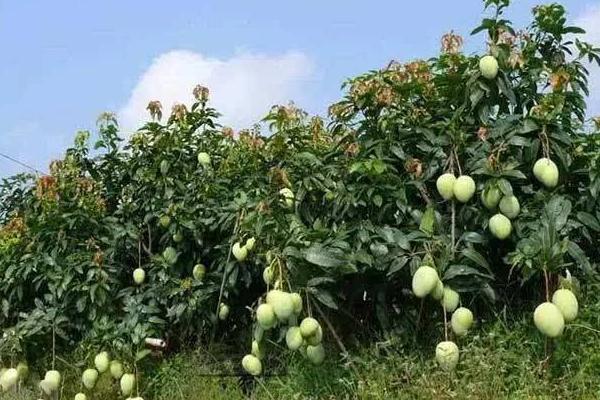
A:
x: 502, y: 359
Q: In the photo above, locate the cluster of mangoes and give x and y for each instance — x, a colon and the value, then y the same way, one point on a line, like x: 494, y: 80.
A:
x: 506, y: 206
x: 10, y: 377
x: 550, y: 317
x: 240, y: 252
x: 427, y: 282
x: 102, y: 364
x: 282, y: 309
x: 493, y: 198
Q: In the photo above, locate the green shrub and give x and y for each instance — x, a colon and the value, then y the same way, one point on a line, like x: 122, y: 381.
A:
x: 342, y: 211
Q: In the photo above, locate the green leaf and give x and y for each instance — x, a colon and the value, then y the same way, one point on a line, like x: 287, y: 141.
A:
x: 558, y: 210
x: 428, y: 221
x: 377, y: 200
x: 505, y: 89
x: 474, y: 237
x: 325, y: 298
x: 397, y: 265
x: 589, y: 220
x: 529, y: 125
x: 519, y: 141
x: 323, y: 257
x: 477, y: 258
x: 463, y: 270
x: 156, y: 320
x: 578, y: 254
x: 514, y: 173
x: 378, y: 249
x: 574, y: 29
x: 320, y: 281
x: 140, y: 355
x: 505, y: 187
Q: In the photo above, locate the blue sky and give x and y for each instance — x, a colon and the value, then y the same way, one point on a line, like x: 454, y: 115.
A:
x: 64, y: 62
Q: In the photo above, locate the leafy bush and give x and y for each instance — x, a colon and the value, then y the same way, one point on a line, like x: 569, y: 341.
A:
x: 343, y: 211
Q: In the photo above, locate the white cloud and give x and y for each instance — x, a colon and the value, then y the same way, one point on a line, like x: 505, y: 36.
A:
x: 590, y: 21
x: 242, y: 88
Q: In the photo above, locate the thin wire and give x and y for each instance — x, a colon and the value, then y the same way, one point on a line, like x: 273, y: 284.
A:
x: 21, y: 163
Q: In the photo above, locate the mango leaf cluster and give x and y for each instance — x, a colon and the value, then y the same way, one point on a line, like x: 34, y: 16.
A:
x: 365, y: 214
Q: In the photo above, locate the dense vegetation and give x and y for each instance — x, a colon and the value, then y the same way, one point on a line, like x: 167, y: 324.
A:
x: 178, y: 232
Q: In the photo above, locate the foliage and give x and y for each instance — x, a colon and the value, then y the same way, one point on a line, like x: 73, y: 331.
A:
x: 365, y: 212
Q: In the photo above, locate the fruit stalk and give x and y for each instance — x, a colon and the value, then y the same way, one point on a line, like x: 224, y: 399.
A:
x: 546, y: 284
x: 137, y: 384
x: 336, y: 337
x: 420, y: 314
x: 545, y: 142
x: 457, y: 161
x: 445, y: 324
x: 453, y: 227
x: 547, y: 344
x: 332, y: 330
x: 235, y: 230
x: 53, y: 345
x: 149, y: 239
x: 140, y: 253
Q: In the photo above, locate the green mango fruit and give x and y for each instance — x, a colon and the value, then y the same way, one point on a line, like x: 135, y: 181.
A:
x: 239, y: 252
x: 316, y: 354
x: 116, y: 369
x: 9, y: 379
x: 297, y: 301
x: 546, y: 171
x: 450, y: 300
x: 500, y: 226
x: 258, y: 349
x: 316, y: 338
x: 309, y: 327
x: 567, y: 303
x: 127, y: 384
x: 490, y: 197
x: 293, y: 338
x: 89, y: 378
x: 549, y: 320
x: 265, y: 316
x: 204, y: 159
x: 252, y: 365
x: 223, y: 311
x: 447, y: 355
x: 165, y: 221
x: 424, y: 281
x: 464, y: 188
x: 282, y: 304
x: 102, y: 362
x: 288, y: 197
x: 250, y: 243
x: 139, y: 276
x: 510, y: 207
x: 198, y: 272
x: 445, y: 185
x: 170, y: 255
x: 438, y: 292
x: 461, y: 321
x: 268, y: 275
x: 488, y: 66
